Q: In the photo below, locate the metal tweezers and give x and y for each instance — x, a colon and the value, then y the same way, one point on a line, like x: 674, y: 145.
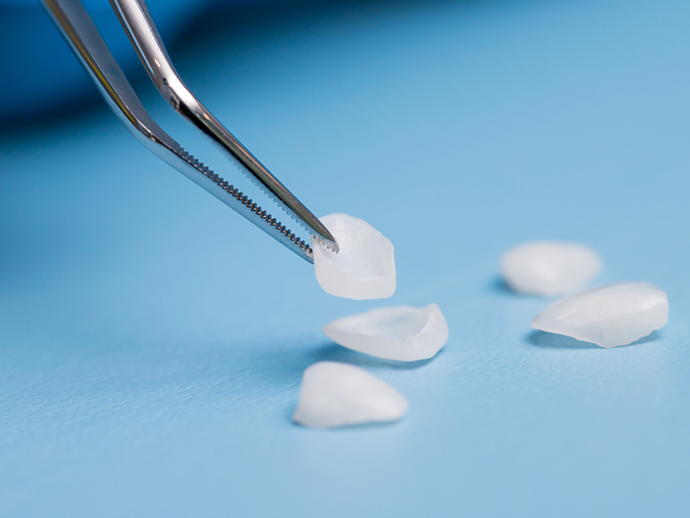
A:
x: 80, y: 32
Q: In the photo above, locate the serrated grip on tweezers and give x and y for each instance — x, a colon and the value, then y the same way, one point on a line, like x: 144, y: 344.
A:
x: 138, y: 23
x: 86, y: 42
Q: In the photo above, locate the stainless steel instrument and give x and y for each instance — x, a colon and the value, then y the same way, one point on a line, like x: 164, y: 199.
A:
x: 80, y: 32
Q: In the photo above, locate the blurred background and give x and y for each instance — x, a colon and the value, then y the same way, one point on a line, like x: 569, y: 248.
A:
x: 152, y: 342
x: 42, y: 76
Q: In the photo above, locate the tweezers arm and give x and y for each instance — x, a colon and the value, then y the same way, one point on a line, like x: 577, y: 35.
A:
x: 86, y: 42
x: 136, y: 19
x: 78, y: 29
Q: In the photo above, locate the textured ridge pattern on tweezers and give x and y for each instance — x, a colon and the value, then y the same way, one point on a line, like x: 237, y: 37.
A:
x: 248, y: 203
x: 265, y: 190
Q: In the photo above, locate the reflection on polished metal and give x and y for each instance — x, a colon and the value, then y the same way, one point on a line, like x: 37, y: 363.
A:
x: 77, y: 27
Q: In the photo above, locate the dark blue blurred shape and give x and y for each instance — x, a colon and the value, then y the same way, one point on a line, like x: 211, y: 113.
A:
x: 40, y: 75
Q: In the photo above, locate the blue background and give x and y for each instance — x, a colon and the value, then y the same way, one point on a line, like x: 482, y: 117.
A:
x: 152, y: 341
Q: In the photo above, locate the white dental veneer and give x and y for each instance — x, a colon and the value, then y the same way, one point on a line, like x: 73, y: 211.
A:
x: 338, y: 394
x: 401, y: 333
x: 549, y: 268
x: 364, y: 268
x: 609, y: 316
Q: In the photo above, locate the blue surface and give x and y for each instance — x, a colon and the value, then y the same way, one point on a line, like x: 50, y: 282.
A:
x: 152, y: 341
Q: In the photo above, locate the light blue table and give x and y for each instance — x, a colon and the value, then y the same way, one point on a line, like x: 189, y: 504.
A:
x: 152, y: 342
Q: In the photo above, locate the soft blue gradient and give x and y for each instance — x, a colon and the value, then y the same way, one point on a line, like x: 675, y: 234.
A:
x: 152, y: 341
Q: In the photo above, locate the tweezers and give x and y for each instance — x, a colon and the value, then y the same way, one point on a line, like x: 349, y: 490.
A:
x: 86, y: 42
